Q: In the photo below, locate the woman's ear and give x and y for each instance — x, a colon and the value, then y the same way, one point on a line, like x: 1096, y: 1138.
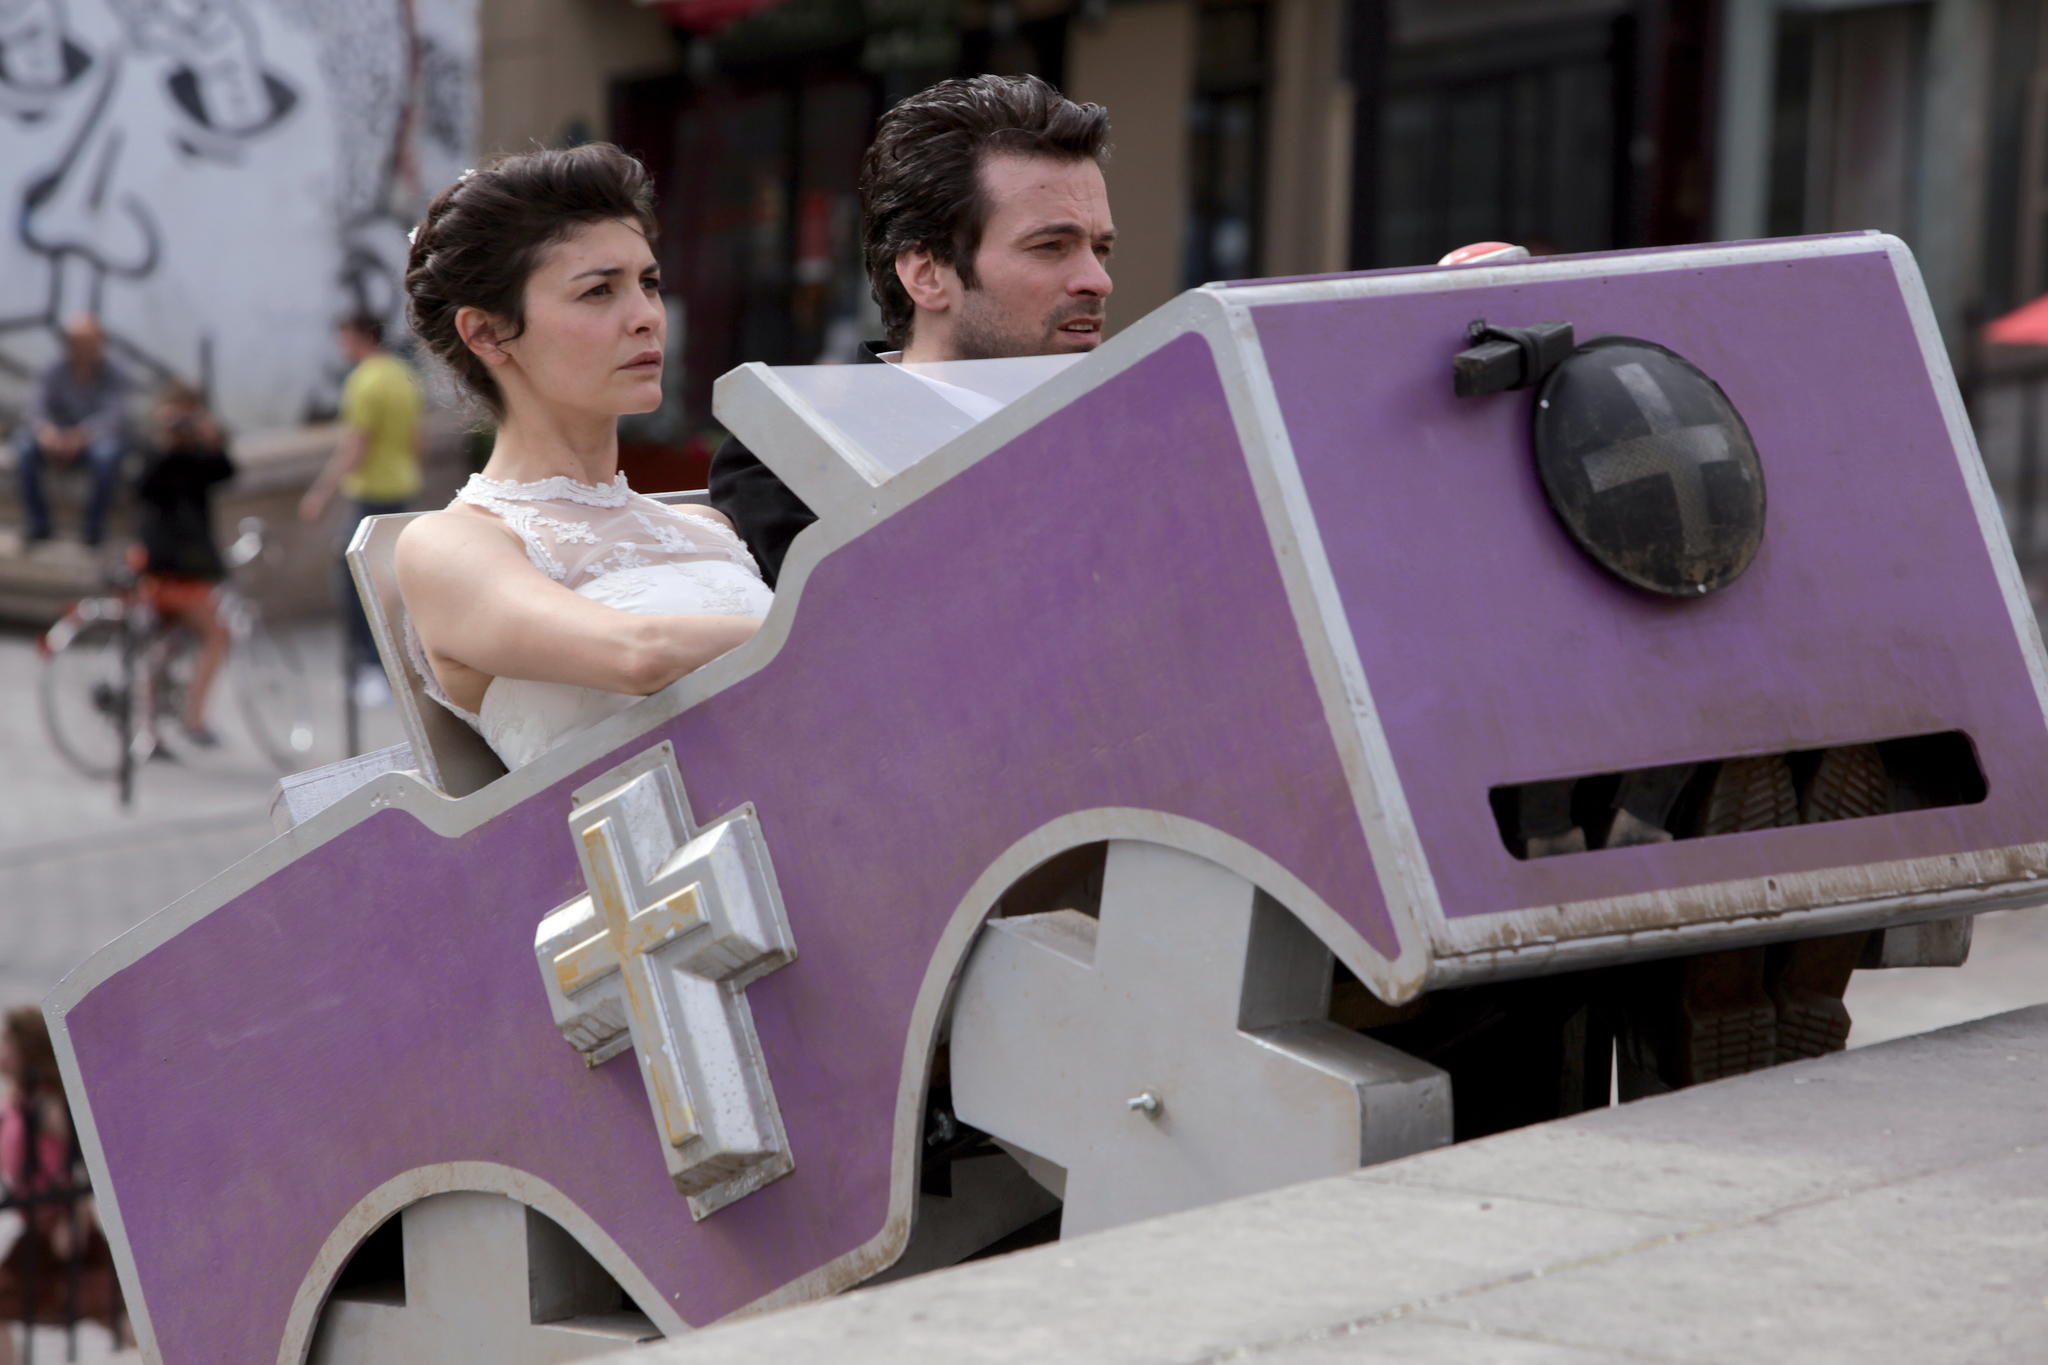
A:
x: 479, y: 332
x: 924, y: 279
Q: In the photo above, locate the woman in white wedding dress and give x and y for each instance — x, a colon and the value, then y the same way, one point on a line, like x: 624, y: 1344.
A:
x: 549, y: 596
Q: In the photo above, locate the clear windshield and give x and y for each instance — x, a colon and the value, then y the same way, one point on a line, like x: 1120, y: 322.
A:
x: 898, y: 414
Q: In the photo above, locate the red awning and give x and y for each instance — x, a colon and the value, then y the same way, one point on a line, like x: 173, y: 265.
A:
x: 2026, y: 325
x: 709, y: 16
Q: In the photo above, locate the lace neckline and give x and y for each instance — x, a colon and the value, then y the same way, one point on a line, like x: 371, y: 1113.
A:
x: 555, y: 488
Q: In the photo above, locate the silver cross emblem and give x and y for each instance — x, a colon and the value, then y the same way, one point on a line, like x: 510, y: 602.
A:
x: 658, y: 956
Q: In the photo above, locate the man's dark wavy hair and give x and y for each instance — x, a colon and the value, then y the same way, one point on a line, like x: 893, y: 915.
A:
x: 920, y: 183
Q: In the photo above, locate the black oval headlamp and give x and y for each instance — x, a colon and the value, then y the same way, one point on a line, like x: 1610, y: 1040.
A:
x: 1649, y: 466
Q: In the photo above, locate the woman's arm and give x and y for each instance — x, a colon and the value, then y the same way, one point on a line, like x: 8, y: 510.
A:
x: 483, y: 611
x: 348, y: 453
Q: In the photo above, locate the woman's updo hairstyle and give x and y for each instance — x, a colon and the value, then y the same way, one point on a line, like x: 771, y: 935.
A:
x: 484, y: 236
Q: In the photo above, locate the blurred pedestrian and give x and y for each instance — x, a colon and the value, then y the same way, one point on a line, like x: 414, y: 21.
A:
x: 376, y: 467
x: 177, y: 556
x: 39, y: 1157
x: 77, y: 410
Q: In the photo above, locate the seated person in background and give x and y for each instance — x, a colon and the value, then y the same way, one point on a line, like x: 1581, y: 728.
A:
x: 177, y: 557
x: 549, y: 595
x: 77, y: 409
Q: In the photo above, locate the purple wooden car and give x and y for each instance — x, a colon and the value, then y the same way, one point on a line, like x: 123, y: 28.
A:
x: 1250, y: 603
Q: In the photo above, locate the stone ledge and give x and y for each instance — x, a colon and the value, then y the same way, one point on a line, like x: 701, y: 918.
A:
x: 273, y: 470
x: 1885, y: 1204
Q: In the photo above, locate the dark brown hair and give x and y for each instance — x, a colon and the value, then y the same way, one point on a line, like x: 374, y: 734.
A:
x: 484, y: 235
x: 921, y: 186
x: 30, y: 1034
x: 176, y: 393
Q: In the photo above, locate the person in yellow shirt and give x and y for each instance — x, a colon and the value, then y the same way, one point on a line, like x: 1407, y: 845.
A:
x: 376, y: 467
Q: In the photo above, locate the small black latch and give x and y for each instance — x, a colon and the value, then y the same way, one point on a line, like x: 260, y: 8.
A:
x: 1509, y: 357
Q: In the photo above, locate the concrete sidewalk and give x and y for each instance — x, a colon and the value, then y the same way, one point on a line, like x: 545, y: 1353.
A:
x: 77, y: 871
x: 1883, y: 1205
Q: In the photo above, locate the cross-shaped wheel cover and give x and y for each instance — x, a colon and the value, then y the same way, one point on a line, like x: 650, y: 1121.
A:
x: 1177, y: 1051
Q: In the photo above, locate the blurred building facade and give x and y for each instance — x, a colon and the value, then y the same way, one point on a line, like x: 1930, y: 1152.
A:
x: 221, y: 190
x: 1276, y: 137
x: 220, y: 182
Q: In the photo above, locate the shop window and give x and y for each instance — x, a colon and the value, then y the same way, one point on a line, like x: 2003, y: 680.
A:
x: 1226, y: 128
x: 1846, y: 121
x: 1503, y: 135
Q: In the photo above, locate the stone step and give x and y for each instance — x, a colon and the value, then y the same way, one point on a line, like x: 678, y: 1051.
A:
x: 297, y: 579
x: 36, y: 581
x: 1877, y: 1205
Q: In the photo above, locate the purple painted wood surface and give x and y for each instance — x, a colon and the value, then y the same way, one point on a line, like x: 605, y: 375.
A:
x: 1498, y: 653
x: 1089, y: 618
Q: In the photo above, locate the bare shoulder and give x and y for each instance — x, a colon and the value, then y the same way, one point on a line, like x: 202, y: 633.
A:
x: 457, y: 525
x: 695, y: 511
x: 458, y: 535
x: 700, y: 512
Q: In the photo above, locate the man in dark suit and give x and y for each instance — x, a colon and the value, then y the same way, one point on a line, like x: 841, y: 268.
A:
x: 987, y: 232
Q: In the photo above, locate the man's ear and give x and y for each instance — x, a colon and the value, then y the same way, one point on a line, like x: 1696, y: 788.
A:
x: 479, y: 332
x: 924, y: 279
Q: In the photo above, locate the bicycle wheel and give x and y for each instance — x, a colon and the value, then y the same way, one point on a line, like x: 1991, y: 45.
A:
x: 132, y: 705
x: 84, y: 691
x: 270, y: 685
x: 172, y: 659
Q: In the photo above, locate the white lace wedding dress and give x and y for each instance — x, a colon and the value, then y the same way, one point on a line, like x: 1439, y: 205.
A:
x: 611, y: 545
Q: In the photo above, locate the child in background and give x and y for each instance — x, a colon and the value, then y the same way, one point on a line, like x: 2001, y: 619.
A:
x: 177, y: 558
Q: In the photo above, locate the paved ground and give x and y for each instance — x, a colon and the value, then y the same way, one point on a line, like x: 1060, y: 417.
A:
x: 77, y: 871
x: 2008, y: 968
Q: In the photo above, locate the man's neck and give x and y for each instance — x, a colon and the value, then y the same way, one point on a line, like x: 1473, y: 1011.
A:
x: 930, y: 341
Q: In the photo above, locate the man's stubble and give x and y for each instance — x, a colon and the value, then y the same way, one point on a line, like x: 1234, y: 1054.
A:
x: 984, y: 333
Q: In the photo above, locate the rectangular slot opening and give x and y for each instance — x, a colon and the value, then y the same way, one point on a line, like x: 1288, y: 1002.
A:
x: 1738, y: 795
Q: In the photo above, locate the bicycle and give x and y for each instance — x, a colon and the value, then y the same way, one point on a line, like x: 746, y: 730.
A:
x: 114, y: 670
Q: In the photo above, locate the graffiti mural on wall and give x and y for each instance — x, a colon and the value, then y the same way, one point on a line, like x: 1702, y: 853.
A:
x: 220, y: 180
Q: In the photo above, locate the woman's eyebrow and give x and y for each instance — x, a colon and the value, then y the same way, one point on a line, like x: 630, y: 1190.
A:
x: 604, y: 271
